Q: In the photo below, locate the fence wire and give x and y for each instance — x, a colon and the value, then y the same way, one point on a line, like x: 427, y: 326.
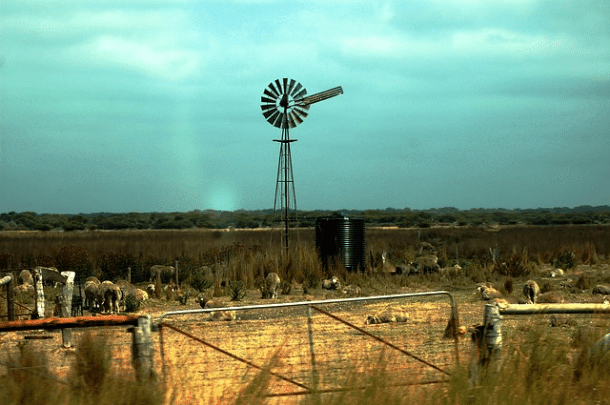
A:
x: 329, y: 351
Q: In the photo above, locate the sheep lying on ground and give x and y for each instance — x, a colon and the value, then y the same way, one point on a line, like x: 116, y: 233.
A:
x: 601, y: 289
x: 388, y: 316
x: 551, y: 297
x: 488, y: 292
x: 352, y: 290
x: 207, y: 303
x: 332, y: 283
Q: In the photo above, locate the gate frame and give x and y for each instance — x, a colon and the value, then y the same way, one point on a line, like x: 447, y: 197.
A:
x: 451, y: 331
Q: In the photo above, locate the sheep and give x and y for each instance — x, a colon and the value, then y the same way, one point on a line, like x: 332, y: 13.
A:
x: 388, y: 316
x: 270, y: 285
x: 452, y: 271
x: 556, y: 273
x: 531, y: 291
x: 332, y: 283
x: 162, y: 272
x: 141, y: 295
x: 112, y: 296
x: 488, y: 292
x: 426, y: 264
x: 25, y: 277
x: 601, y: 290
x: 92, y: 293
x: 352, y: 290
x: 206, y: 303
x: 551, y: 297
x: 150, y: 289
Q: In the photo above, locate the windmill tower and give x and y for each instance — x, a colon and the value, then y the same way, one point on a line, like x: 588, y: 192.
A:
x: 285, y: 104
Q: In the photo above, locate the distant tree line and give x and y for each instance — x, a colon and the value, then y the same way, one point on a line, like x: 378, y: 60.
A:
x: 211, y: 219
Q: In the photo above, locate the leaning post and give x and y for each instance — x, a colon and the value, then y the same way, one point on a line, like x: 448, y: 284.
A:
x: 487, y: 341
x: 142, y: 348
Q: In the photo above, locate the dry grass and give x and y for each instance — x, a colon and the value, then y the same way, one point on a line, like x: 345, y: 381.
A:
x: 539, y: 364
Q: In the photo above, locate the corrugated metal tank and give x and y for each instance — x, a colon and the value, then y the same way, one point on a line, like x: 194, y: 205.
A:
x: 343, y: 237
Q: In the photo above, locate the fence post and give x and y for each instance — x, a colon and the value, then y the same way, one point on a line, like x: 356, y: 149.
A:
x: 314, y: 370
x: 487, y: 343
x: 67, y: 290
x: 39, y: 311
x: 142, y: 349
x: 10, y: 299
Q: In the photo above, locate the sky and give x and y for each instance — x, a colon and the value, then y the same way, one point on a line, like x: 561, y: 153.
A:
x: 154, y: 106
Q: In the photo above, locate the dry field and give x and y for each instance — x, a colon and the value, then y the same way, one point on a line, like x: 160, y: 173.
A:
x: 221, y: 361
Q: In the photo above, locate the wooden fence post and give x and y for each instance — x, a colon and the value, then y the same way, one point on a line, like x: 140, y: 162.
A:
x: 67, y: 291
x: 142, y: 349
x: 39, y: 311
x: 10, y: 299
x: 487, y: 343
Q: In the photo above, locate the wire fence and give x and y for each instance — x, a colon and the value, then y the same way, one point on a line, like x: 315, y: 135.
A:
x: 314, y: 347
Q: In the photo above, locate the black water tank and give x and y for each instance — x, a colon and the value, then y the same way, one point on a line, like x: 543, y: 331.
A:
x: 343, y: 237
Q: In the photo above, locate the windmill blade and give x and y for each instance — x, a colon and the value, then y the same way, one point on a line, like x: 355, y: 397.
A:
x: 290, y: 86
x: 270, y: 101
x: 295, y: 118
x: 314, y: 98
x: 295, y: 91
x: 285, y: 80
x: 300, y: 112
x: 278, y: 120
x: 269, y: 93
x: 291, y: 122
x: 271, y: 116
x: 299, y: 94
x: 274, y: 90
x: 278, y: 86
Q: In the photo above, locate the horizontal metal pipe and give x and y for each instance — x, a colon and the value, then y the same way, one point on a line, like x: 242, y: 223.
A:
x: 65, y: 323
x: 528, y: 309
x: 306, y: 303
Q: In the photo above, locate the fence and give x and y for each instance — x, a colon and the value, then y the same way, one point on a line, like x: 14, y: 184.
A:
x: 128, y: 353
x: 500, y: 329
x: 310, y: 347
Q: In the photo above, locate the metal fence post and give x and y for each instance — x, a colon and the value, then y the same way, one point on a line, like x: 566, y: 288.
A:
x: 10, y: 304
x: 142, y: 349
x: 66, y: 308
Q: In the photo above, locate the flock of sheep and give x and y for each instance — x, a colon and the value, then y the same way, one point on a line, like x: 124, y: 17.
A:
x: 108, y: 297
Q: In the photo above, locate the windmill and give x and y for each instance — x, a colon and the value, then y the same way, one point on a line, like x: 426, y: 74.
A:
x: 285, y: 104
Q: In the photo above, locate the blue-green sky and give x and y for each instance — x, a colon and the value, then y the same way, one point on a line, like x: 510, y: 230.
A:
x: 123, y: 106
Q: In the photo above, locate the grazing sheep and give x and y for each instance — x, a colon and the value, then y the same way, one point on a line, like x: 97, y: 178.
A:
x: 426, y: 264
x: 601, y: 290
x: 141, y: 295
x: 452, y: 271
x: 332, y: 283
x: 150, y: 289
x: 163, y: 272
x: 25, y: 277
x: 551, y: 297
x: 270, y: 285
x: 112, y: 297
x: 92, y: 294
x: 488, y: 292
x: 388, y: 316
x: 531, y: 291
